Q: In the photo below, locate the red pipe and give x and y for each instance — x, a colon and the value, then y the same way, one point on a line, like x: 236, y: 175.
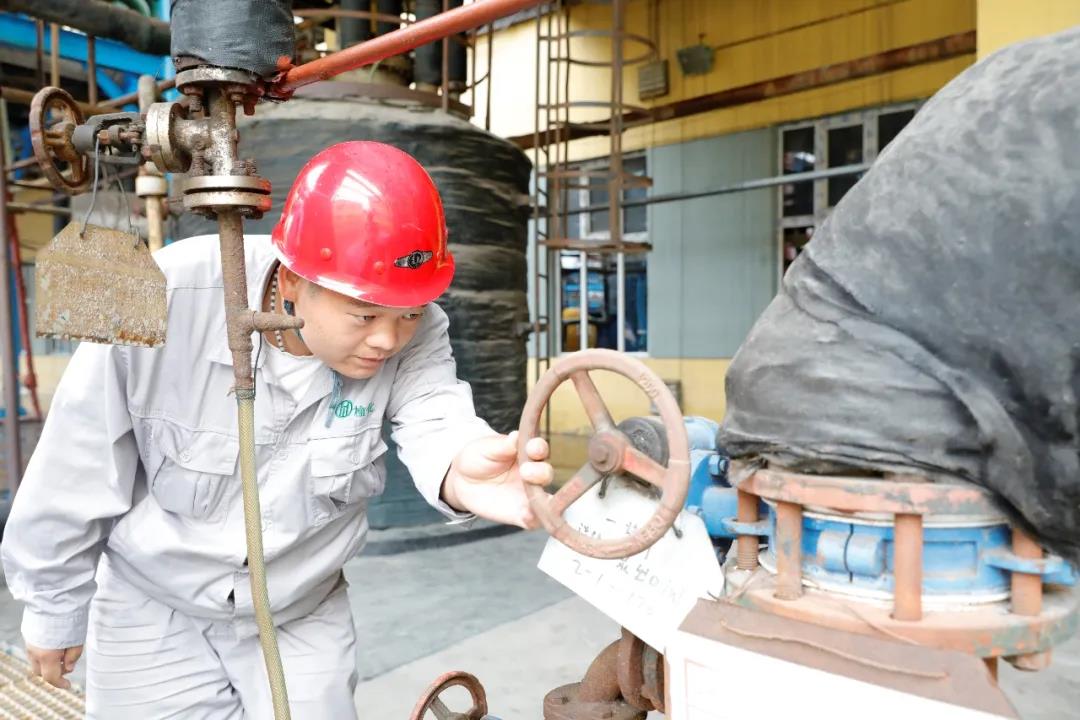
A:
x: 442, y: 25
x: 30, y: 379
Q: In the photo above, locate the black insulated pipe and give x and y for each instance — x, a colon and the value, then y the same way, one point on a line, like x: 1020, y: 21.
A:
x: 388, y: 7
x: 99, y: 19
x: 354, y: 30
x: 428, y: 68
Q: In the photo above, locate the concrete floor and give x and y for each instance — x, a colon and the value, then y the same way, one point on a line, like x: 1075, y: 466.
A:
x: 483, y: 607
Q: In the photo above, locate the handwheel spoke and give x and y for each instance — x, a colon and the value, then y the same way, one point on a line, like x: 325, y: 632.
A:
x: 642, y: 466
x: 439, y: 708
x: 595, y: 407
x: 578, y: 485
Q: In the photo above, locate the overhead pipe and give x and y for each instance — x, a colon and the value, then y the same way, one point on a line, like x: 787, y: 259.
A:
x: 101, y: 19
x: 453, y: 22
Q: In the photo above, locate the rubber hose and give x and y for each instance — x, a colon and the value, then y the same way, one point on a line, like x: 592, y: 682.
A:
x: 245, y: 405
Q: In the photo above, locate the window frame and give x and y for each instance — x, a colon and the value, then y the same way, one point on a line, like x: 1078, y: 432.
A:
x: 868, y: 118
x: 586, y: 233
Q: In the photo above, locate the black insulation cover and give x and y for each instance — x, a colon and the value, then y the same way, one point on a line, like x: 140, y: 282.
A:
x: 251, y: 35
x: 932, y: 325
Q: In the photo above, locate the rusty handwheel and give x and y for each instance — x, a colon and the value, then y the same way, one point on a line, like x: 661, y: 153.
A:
x: 54, y: 115
x: 610, y: 453
x: 430, y: 700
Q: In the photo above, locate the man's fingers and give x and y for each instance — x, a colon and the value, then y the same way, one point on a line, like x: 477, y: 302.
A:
x: 537, y: 473
x: 71, y: 656
x: 51, y: 671
x: 537, y: 449
x: 35, y: 665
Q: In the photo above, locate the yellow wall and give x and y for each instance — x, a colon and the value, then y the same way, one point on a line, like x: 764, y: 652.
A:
x: 1002, y: 22
x: 702, y: 394
x: 826, y: 39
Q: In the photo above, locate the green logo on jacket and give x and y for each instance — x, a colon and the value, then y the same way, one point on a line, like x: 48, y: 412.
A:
x: 346, y: 408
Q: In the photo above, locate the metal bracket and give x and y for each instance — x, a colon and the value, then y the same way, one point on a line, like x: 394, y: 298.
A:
x: 733, y: 526
x: 84, y: 135
x: 1052, y: 568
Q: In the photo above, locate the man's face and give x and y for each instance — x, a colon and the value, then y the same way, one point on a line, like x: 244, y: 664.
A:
x: 352, y: 337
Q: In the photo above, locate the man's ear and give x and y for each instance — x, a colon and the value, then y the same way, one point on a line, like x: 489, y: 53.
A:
x: 290, y: 284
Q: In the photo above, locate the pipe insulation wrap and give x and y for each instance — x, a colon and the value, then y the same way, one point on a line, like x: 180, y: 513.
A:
x: 251, y: 35
x: 930, y: 326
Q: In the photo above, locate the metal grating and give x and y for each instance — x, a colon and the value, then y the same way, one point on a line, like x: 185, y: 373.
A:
x: 652, y: 80
x: 22, y: 698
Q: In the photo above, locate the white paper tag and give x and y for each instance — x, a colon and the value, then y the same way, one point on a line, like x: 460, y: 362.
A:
x: 650, y: 593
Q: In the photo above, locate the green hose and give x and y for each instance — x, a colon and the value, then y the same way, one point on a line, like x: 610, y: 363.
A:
x: 245, y: 406
x: 139, y: 6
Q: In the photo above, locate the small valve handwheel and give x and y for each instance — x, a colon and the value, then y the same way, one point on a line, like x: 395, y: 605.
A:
x: 54, y: 115
x: 610, y: 453
x: 430, y: 700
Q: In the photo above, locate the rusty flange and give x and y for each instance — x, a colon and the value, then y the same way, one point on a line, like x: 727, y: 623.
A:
x: 562, y: 703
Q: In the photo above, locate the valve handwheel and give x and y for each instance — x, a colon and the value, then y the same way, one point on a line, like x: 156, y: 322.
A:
x: 610, y: 453
x: 54, y: 114
x: 430, y: 701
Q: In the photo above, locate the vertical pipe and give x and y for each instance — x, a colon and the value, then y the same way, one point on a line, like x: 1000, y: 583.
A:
x: 91, y: 70
x: 388, y: 7
x: 426, y: 68
x: 746, y: 557
x: 54, y: 54
x: 583, y: 302
x: 30, y: 378
x: 1027, y: 597
x: 12, y: 446
x: 457, y: 62
x: 908, y: 567
x: 39, y: 26
x: 537, y: 207
x: 788, y: 551
x: 147, y: 93
x: 490, y: 86
x: 351, y: 30
x: 616, y: 129
x: 1026, y: 588
x: 444, y: 74
x: 620, y: 302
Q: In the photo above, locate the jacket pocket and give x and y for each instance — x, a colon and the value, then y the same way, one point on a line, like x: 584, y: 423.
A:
x: 192, y: 472
x: 343, y: 472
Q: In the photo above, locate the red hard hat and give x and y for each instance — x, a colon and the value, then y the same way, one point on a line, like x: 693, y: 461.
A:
x: 365, y: 220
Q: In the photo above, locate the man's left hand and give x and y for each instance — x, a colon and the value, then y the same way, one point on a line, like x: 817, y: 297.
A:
x: 486, y: 479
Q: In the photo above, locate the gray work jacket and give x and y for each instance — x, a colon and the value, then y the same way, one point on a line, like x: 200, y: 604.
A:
x: 138, y: 459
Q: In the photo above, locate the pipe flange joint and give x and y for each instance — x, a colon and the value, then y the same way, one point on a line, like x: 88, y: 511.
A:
x: 151, y: 186
x: 209, y: 75
x: 210, y: 193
